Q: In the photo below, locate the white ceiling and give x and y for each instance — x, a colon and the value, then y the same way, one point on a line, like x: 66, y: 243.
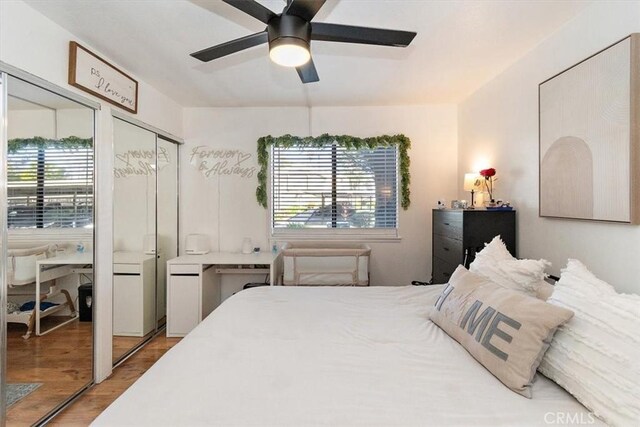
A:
x: 460, y: 46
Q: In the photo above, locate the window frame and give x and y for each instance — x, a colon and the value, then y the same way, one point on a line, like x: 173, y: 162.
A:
x: 333, y: 234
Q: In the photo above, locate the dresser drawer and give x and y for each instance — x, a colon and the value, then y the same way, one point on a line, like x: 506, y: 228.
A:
x: 448, y: 249
x: 448, y: 223
x: 442, y: 271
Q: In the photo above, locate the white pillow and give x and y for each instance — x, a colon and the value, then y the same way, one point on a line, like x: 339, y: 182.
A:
x: 495, y: 263
x: 596, y: 355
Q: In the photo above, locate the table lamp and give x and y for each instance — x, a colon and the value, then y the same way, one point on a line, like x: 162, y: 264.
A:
x: 472, y: 183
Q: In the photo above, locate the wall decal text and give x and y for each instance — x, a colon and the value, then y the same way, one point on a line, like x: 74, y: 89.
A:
x: 214, y: 162
x: 140, y: 162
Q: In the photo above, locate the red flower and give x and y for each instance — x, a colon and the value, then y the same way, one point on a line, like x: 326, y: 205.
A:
x: 488, y: 173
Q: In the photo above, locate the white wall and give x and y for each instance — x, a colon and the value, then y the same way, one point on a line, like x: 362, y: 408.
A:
x: 498, y: 127
x: 29, y: 123
x: 225, y: 207
x: 34, y: 43
x: 49, y: 123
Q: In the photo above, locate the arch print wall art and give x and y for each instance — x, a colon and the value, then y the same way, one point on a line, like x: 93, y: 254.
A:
x: 589, y: 128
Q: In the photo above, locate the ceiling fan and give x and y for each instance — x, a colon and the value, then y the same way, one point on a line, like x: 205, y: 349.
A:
x: 289, y: 35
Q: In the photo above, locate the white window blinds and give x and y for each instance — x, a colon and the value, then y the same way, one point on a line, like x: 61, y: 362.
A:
x: 50, y: 187
x: 333, y: 187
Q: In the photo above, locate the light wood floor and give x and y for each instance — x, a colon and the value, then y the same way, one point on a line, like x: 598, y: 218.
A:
x: 121, y: 345
x: 62, y: 362
x: 83, y: 411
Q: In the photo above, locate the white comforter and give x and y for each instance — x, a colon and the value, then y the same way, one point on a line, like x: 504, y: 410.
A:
x: 299, y: 356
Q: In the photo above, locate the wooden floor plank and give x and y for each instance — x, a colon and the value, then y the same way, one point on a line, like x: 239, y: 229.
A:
x: 62, y: 362
x: 84, y: 410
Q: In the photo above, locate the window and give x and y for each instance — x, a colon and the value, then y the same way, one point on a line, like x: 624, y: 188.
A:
x: 331, y: 187
x: 50, y: 187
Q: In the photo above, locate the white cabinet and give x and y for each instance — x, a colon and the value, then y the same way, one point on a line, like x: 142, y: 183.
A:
x: 193, y: 293
x: 133, y: 294
x: 184, y: 297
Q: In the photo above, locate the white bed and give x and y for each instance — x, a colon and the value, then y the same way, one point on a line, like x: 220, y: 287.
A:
x: 290, y: 356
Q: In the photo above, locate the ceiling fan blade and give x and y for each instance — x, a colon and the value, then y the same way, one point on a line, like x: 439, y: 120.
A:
x: 305, y: 9
x: 364, y: 35
x: 308, y: 72
x: 233, y: 46
x: 253, y: 8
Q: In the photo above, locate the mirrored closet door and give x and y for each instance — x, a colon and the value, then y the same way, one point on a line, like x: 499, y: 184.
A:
x: 167, y: 217
x: 48, y: 235
x: 145, y: 216
x: 134, y: 230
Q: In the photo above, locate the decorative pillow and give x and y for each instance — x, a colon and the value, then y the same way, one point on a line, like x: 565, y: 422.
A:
x: 505, y: 330
x: 596, y: 355
x: 526, y: 275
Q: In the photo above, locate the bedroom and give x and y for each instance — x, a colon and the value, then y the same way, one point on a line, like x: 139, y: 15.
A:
x: 465, y: 92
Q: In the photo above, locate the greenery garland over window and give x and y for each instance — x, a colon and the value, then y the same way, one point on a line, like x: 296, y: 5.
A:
x: 70, y: 142
x: 349, y: 142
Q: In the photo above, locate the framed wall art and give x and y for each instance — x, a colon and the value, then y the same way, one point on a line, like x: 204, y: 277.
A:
x: 92, y: 74
x: 589, y: 129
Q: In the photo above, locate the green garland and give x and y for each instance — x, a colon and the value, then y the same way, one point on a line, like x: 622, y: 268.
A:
x: 70, y: 142
x: 349, y: 142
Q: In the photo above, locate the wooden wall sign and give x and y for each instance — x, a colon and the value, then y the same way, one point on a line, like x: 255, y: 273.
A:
x: 92, y: 74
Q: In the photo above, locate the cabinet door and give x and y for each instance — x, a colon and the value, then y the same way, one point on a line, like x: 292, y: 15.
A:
x: 184, y: 304
x: 127, y: 305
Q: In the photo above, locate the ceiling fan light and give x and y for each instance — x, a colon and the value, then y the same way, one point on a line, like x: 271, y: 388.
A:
x: 289, y: 52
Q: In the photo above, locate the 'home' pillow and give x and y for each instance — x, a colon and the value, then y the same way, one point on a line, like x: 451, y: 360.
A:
x: 505, y: 330
x: 526, y: 275
x: 596, y: 355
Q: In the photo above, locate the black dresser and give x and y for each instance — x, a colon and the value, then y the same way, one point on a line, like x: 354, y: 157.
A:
x: 459, y: 233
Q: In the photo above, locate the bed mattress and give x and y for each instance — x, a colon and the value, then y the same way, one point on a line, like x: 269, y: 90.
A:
x: 290, y: 356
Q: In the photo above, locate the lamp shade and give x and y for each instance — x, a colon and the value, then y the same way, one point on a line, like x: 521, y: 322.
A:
x: 472, y: 182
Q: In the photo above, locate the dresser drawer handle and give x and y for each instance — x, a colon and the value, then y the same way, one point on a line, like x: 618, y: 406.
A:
x: 446, y: 249
x: 446, y: 223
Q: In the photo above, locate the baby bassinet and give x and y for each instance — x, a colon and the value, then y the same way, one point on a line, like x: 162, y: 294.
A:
x: 326, y: 263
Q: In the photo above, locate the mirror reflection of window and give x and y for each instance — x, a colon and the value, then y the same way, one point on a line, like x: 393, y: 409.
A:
x: 50, y: 179
x: 50, y: 149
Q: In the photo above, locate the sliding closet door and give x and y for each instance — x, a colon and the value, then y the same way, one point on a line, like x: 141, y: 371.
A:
x: 134, y: 237
x: 47, y: 221
x: 167, y: 218
x: 3, y: 248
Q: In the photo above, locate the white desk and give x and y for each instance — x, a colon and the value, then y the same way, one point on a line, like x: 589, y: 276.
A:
x: 194, y: 283
x: 55, y: 268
